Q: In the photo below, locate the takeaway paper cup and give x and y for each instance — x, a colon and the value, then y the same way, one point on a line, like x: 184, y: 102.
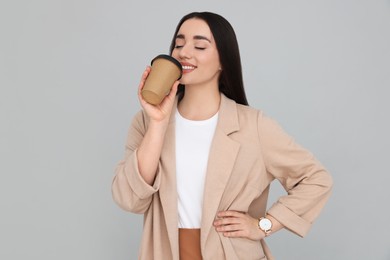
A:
x: 165, y: 71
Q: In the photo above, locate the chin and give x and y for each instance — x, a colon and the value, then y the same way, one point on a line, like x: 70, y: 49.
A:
x: 183, y: 81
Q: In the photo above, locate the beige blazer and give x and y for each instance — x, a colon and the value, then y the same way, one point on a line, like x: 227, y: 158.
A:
x: 248, y: 152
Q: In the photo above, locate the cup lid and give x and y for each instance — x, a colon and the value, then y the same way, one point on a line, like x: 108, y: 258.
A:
x: 170, y: 58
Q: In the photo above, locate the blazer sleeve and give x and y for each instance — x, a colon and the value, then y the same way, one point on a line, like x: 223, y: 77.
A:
x: 307, y: 183
x: 129, y: 190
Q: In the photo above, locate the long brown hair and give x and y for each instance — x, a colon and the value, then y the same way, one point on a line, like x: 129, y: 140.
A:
x: 230, y: 80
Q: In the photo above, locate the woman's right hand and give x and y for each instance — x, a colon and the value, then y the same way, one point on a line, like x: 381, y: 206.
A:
x: 161, y: 112
x: 149, y: 151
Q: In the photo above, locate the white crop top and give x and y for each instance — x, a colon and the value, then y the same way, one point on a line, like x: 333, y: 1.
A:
x: 193, y: 141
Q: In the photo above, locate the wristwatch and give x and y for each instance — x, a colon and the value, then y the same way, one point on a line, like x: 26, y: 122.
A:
x: 265, y: 224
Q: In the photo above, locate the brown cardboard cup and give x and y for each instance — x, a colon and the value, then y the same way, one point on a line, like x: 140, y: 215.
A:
x: 165, y: 71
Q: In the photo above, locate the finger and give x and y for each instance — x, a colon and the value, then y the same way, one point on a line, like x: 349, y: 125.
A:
x: 234, y: 234
x: 175, y: 87
x: 141, y: 85
x: 226, y: 221
x: 146, y: 73
x: 173, y: 90
x: 171, y: 96
x: 143, y: 78
x: 229, y: 213
x: 229, y: 228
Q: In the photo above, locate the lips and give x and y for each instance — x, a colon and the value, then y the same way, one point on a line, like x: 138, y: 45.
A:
x: 187, y: 67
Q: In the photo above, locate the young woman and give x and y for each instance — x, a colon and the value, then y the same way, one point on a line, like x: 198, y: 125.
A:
x: 200, y: 164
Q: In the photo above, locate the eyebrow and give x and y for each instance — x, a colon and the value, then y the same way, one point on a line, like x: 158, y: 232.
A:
x: 196, y: 37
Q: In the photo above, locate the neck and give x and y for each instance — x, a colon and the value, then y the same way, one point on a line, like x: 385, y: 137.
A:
x: 199, y: 103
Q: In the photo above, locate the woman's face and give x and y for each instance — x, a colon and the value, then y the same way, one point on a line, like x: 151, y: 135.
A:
x: 196, y: 50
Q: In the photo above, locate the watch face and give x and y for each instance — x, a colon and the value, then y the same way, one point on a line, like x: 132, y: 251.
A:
x: 265, y: 224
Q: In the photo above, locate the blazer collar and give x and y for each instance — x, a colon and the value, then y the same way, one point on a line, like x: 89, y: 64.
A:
x: 228, y: 116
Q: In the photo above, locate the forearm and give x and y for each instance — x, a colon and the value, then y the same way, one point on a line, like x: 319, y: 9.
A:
x: 149, y: 151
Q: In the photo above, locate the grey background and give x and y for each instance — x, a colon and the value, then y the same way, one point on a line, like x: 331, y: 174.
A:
x: 69, y: 71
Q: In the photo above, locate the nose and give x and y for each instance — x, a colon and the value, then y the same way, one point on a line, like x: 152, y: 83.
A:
x: 185, y: 52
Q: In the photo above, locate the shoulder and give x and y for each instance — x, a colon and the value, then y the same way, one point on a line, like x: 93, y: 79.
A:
x: 255, y: 118
x: 247, y: 110
x: 244, y: 113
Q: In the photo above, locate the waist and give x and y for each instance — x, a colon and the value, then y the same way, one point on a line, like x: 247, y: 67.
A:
x: 189, y: 244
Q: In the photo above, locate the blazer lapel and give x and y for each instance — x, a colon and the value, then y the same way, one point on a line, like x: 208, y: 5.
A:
x: 168, y: 190
x: 223, y: 153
